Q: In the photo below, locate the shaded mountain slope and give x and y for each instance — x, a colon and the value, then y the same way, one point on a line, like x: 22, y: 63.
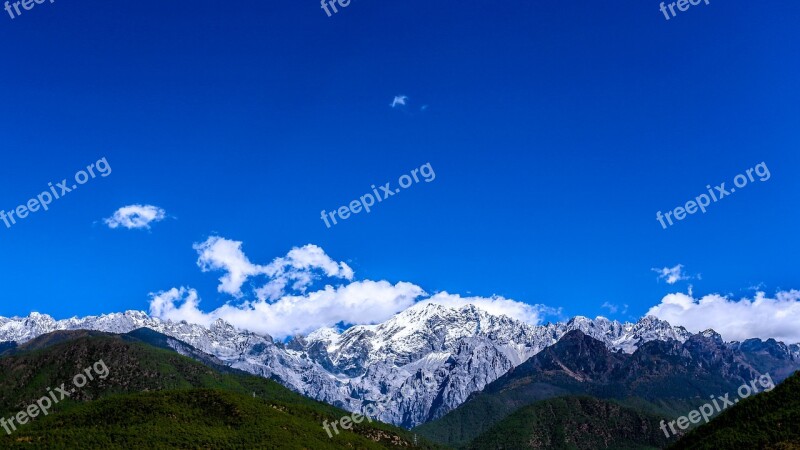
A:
x: 666, y: 378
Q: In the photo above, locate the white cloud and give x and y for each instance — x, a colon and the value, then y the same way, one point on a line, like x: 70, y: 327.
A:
x: 135, y: 217
x: 495, y: 305
x: 760, y: 317
x: 218, y: 253
x: 399, y: 100
x: 300, y: 267
x: 162, y: 305
x: 672, y: 275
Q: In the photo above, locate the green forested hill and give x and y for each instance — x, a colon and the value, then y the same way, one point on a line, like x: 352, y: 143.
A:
x: 193, y: 418
x: 770, y: 420
x: 156, y: 398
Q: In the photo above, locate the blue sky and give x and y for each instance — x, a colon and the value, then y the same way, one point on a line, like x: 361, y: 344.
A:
x: 556, y: 132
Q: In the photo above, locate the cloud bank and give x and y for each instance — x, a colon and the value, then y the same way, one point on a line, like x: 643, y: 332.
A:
x: 760, y: 317
x: 279, y: 298
x: 306, y: 290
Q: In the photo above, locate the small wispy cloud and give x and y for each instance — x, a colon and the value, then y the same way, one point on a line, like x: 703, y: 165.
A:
x: 399, y: 100
x: 672, y: 274
x: 613, y: 309
x: 135, y: 217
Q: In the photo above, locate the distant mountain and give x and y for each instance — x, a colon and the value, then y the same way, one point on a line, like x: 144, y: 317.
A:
x: 771, y: 356
x: 152, y: 397
x: 770, y: 420
x: 416, y: 367
x: 661, y: 377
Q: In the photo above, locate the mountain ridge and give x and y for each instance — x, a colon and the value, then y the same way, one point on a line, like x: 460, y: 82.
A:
x: 418, y: 365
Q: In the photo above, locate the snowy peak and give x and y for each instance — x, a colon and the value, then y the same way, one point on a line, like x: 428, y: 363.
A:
x: 422, y: 329
x: 795, y: 351
x: 626, y: 336
x: 711, y: 334
x: 461, y: 349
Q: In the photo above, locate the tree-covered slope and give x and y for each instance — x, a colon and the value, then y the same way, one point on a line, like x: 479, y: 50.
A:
x: 770, y: 420
x: 155, y: 398
x: 193, y: 418
x: 574, y: 423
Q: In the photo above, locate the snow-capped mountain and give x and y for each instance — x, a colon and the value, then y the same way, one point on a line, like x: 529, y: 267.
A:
x: 445, y: 354
x: 415, y: 367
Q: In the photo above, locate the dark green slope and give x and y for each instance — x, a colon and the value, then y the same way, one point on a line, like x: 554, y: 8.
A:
x: 770, y: 420
x: 207, y: 418
x: 458, y: 427
x: 578, y: 365
x: 156, y: 398
x: 568, y: 423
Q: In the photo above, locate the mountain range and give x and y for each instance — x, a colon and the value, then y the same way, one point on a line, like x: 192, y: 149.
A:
x: 416, y: 367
